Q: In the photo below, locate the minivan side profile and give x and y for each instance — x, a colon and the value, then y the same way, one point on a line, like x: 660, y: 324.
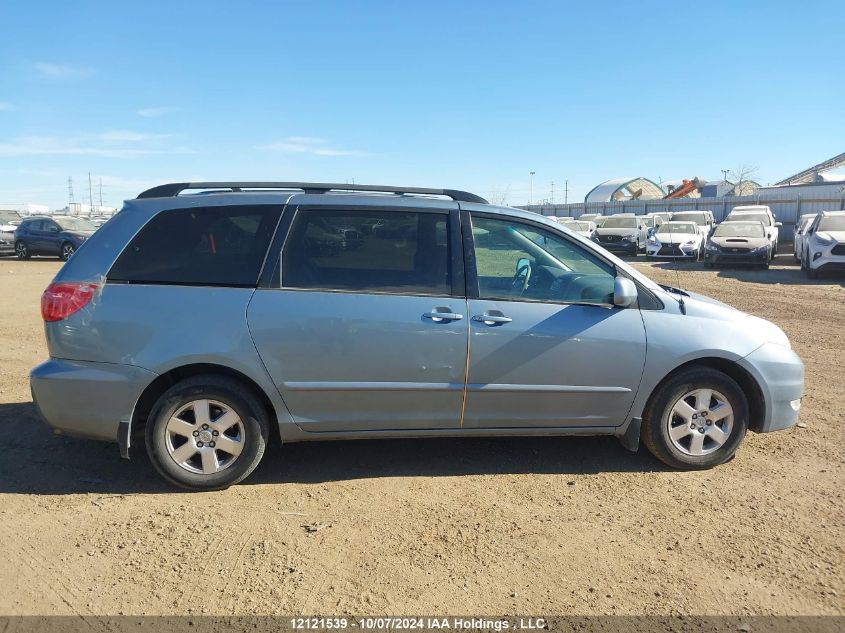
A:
x: 204, y: 324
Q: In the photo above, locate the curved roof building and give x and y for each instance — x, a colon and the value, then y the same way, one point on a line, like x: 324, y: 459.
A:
x: 625, y: 189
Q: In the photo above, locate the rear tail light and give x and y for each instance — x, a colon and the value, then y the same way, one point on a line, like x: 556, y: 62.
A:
x: 60, y: 300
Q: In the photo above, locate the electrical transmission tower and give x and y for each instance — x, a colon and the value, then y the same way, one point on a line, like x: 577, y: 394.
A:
x: 70, y: 190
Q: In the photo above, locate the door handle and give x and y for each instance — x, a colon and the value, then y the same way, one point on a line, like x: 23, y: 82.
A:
x: 443, y: 315
x: 492, y: 319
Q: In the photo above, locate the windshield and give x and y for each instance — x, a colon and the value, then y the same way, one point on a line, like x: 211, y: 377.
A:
x: 579, y: 226
x: 749, y: 217
x: 620, y: 223
x: 832, y: 223
x: 649, y: 222
x: 739, y: 229
x: 75, y: 224
x: 677, y: 227
x: 699, y: 218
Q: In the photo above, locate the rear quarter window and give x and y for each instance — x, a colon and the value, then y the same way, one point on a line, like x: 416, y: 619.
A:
x: 217, y: 246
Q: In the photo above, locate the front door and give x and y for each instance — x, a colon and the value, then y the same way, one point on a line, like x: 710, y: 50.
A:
x: 365, y: 326
x: 547, y: 346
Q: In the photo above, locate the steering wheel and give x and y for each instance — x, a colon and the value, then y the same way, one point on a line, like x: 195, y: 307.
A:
x: 520, y: 280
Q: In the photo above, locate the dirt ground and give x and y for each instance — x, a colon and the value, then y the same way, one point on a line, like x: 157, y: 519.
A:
x: 441, y: 526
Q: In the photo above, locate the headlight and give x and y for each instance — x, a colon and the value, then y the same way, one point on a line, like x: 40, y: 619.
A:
x: 652, y: 240
x: 712, y: 248
x: 760, y: 249
x: 631, y: 238
x: 689, y: 242
x: 824, y: 241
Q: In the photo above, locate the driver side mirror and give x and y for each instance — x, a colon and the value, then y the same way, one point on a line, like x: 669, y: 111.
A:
x: 778, y: 223
x: 522, y: 263
x: 624, y: 292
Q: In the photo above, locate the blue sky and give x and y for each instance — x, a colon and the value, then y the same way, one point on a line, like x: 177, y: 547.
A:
x: 470, y: 95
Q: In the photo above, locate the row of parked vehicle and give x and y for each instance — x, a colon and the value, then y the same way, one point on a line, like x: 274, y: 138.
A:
x: 55, y: 235
x: 748, y: 235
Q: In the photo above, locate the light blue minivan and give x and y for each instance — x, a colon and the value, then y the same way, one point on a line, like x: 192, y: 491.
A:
x: 205, y: 319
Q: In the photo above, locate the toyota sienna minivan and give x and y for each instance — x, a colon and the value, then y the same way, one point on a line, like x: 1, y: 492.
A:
x: 205, y: 319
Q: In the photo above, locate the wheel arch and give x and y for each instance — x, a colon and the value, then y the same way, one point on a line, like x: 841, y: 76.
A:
x: 152, y: 392
x: 746, y: 382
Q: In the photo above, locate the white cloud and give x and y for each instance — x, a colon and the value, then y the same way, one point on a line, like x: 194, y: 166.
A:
x: 150, y: 113
x: 308, y: 145
x: 5, y: 106
x: 128, y: 136
x: 116, y: 144
x: 62, y: 71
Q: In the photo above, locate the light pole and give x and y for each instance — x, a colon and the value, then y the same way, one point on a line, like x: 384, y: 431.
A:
x: 725, y: 175
x: 531, y: 188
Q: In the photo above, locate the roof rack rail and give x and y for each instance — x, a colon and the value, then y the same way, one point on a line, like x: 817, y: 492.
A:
x: 174, y: 189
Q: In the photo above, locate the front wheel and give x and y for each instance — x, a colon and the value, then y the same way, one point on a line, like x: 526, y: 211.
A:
x: 774, y: 250
x: 22, y: 250
x: 696, y: 420
x: 207, y: 433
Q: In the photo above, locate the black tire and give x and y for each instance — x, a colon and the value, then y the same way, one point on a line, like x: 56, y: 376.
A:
x: 66, y: 251
x: 775, y: 250
x: 235, y: 396
x: 655, y: 430
x: 22, y: 250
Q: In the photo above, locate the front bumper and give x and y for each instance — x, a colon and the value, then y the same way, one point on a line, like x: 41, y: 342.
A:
x: 87, y: 399
x: 623, y: 246
x: 747, y: 257
x: 826, y: 260
x: 7, y: 247
x: 780, y: 374
x: 671, y: 250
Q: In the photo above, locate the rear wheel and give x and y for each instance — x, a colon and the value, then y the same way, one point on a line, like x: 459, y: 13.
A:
x: 22, y: 250
x: 207, y: 433
x: 696, y: 420
x: 68, y: 249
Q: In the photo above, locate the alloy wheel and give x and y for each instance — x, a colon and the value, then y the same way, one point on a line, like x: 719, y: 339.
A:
x: 700, y: 422
x: 204, y: 436
x: 67, y: 251
x: 21, y: 250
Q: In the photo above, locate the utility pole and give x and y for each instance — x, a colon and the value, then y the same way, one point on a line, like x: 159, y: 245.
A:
x: 725, y: 174
x: 531, y: 188
x: 566, y: 192
x: 90, y: 194
x: 69, y: 191
x: 552, y: 192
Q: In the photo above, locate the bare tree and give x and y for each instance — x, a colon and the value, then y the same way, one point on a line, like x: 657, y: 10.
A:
x: 743, y: 179
x: 500, y: 195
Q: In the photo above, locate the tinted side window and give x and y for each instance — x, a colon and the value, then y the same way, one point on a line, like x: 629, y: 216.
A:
x: 222, y: 246
x: 518, y: 261
x: 34, y: 225
x: 380, y: 251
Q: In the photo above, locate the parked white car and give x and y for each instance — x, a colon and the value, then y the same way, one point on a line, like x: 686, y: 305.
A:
x: 676, y: 239
x: 9, y: 221
x: 824, y: 244
x: 587, y: 229
x: 702, y: 218
x: 801, y: 227
x: 761, y: 213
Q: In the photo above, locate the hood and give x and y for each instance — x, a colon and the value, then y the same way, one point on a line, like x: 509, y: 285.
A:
x: 839, y: 236
x: 5, y: 227
x: 84, y: 235
x: 604, y: 231
x: 677, y: 238
x: 739, y: 242
x: 704, y: 307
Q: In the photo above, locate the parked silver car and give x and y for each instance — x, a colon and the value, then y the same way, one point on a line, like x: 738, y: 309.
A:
x: 199, y: 324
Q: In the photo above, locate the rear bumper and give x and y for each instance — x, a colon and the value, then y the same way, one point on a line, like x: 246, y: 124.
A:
x: 780, y: 374
x: 87, y: 399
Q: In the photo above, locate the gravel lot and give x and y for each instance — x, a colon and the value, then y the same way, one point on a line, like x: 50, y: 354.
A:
x: 487, y: 526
